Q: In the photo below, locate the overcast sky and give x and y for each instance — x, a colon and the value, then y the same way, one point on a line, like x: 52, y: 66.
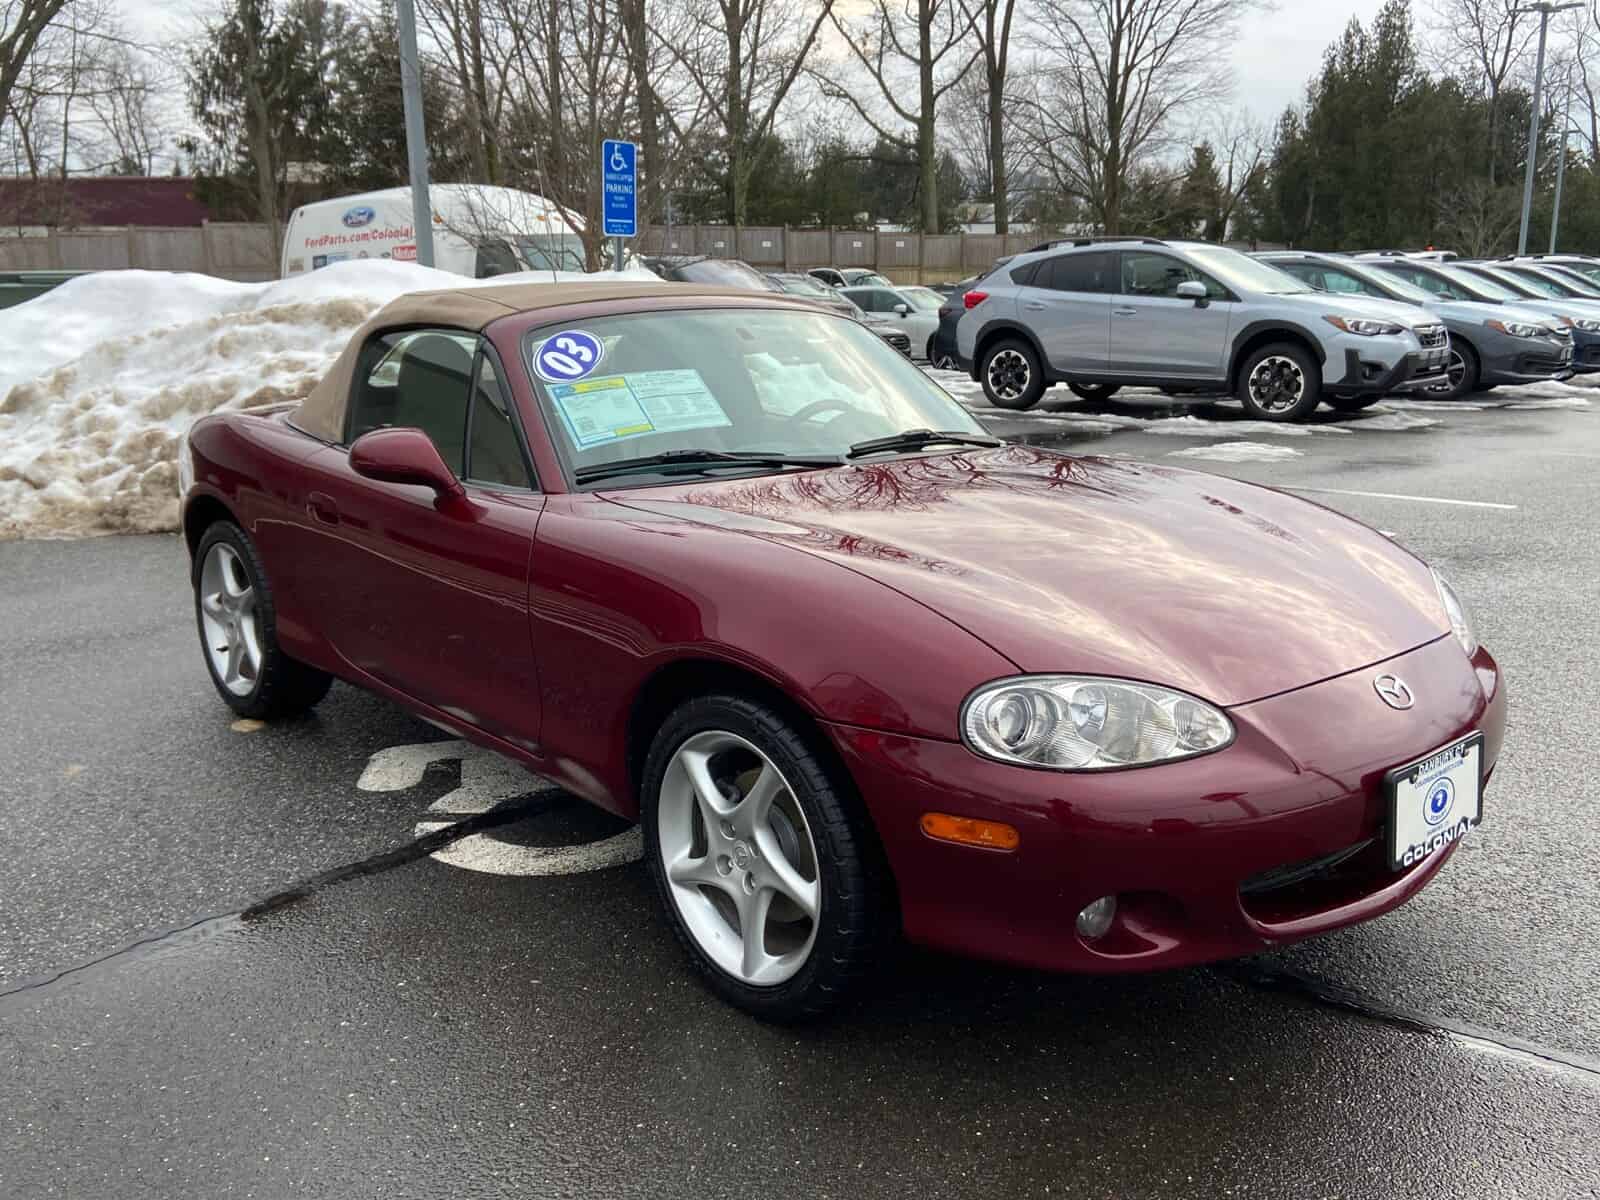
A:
x: 1275, y: 53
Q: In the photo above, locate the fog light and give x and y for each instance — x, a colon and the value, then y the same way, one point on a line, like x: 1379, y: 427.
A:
x: 1096, y: 918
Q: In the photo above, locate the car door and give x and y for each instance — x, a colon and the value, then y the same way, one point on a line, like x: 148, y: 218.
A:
x: 427, y: 596
x: 1158, y: 334
x: 1066, y: 302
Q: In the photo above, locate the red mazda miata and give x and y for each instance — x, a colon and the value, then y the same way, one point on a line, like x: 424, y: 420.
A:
x: 727, y: 564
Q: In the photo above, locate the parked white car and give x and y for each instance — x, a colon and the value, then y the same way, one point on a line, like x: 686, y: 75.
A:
x: 916, y: 308
x: 478, y: 231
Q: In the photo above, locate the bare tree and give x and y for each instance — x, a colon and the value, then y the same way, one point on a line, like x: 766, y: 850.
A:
x: 1112, y: 80
x: 1241, y: 145
x: 1484, y: 41
x: 992, y: 21
x: 1479, y: 216
x: 920, y: 48
x: 744, y: 56
x: 22, y: 24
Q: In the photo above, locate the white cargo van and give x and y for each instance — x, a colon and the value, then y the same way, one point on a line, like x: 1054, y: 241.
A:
x: 478, y: 231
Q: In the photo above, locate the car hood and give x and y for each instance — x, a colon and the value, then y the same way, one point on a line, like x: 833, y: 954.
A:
x: 1325, y: 303
x: 1543, y: 308
x: 1226, y: 590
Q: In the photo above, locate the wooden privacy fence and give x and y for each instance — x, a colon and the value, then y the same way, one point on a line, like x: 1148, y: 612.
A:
x: 231, y: 250
x: 243, y: 251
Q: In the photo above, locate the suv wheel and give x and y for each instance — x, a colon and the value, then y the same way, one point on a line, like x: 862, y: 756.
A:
x: 1094, y: 391
x: 1011, y: 375
x: 1279, y: 382
x: 1461, y: 375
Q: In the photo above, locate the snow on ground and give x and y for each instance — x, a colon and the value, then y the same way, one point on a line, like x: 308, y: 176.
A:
x: 1237, y: 452
x: 1199, y: 427
x: 100, y: 376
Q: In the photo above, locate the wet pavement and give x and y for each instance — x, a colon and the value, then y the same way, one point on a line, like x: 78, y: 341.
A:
x: 382, y: 1022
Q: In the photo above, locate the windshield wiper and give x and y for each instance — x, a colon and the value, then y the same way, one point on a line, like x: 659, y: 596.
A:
x: 916, y: 439
x: 672, y: 460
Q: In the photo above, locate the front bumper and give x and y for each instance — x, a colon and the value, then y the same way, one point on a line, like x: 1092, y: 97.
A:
x: 1211, y: 858
x: 1417, y: 370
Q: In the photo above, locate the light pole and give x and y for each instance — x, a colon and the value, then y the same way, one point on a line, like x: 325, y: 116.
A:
x: 1544, y: 10
x: 1561, y: 164
x: 416, y: 137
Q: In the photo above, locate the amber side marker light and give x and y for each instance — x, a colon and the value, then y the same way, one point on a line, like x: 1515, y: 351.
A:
x: 967, y: 831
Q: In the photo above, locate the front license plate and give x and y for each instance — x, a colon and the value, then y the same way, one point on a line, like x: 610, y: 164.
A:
x: 1434, y: 801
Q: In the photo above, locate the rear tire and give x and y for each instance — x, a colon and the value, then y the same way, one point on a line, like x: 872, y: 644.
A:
x: 1011, y: 374
x: 1094, y: 391
x: 1351, y: 403
x: 1279, y: 382
x: 737, y: 870
x: 237, y: 619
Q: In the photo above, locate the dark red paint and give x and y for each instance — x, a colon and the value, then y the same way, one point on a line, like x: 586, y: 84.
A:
x: 875, y: 598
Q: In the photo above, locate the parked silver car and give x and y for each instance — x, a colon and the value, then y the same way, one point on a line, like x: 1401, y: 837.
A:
x: 916, y: 308
x: 1187, y: 317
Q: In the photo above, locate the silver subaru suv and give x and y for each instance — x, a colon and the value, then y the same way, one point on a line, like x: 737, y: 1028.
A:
x: 1188, y: 318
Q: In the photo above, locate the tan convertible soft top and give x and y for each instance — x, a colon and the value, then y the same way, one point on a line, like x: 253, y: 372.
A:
x: 321, y: 413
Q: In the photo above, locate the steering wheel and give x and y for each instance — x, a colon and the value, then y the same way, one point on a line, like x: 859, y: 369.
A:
x: 821, y: 406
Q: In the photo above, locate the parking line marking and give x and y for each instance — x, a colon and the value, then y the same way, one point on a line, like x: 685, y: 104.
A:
x: 1398, y: 496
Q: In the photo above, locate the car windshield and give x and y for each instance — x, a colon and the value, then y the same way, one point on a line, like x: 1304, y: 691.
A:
x: 1402, y: 288
x: 723, y: 272
x: 552, y: 251
x: 1589, y: 271
x: 1482, y: 286
x: 726, y: 381
x: 866, y: 279
x: 1545, y: 287
x: 1246, y: 274
x: 924, y: 298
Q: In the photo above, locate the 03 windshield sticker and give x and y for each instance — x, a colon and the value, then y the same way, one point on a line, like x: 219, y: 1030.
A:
x: 568, y: 355
x: 613, y: 407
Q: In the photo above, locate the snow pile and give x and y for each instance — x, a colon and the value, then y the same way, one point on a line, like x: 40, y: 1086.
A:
x: 1237, y: 452
x: 101, y: 376
x: 1197, y: 427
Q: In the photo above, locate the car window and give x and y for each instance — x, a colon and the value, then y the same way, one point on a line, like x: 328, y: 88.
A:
x: 1542, y: 283
x: 922, y: 298
x: 1077, y: 273
x: 494, y: 447
x: 732, y: 380
x: 1145, y: 274
x: 1434, y: 285
x: 1023, y: 276
x: 496, y: 258
x: 724, y: 272
x: 1338, y: 281
x: 415, y: 378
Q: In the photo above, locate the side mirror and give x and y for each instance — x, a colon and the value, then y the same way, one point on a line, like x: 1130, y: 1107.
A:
x: 1192, y: 289
x: 403, y: 455
x: 902, y: 309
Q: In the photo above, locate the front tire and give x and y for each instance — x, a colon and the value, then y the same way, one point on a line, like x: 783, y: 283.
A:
x: 1279, y: 382
x: 1012, y: 375
x: 762, y: 857
x: 1462, y: 374
x: 1094, y: 391
x: 237, y: 620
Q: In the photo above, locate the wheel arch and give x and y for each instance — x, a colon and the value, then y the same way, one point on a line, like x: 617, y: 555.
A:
x: 1264, y: 333
x: 999, y: 330
x: 200, y: 514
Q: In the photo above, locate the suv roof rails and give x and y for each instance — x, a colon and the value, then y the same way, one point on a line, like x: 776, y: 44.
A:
x: 1093, y: 241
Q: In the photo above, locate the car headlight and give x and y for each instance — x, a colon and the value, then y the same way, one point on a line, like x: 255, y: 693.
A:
x: 1460, y: 624
x: 1364, y: 327
x: 1587, y: 325
x: 1086, y: 723
x: 1518, y: 329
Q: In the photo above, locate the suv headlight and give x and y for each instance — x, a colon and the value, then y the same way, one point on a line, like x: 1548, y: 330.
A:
x: 1460, y: 624
x: 1087, y: 723
x: 1364, y: 327
x: 1587, y: 325
x: 1518, y: 329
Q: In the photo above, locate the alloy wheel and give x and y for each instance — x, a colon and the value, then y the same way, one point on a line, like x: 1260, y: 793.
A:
x: 1277, y: 383
x: 1009, y: 374
x: 739, y: 858
x: 230, y: 620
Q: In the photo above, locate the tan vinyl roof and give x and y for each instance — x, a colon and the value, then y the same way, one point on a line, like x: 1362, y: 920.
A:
x: 321, y: 413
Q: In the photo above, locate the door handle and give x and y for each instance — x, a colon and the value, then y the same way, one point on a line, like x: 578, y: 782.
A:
x: 1034, y: 306
x: 322, y: 507
x: 1125, y: 312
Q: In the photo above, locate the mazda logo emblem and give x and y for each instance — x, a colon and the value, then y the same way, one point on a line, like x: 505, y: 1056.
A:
x: 1393, y: 691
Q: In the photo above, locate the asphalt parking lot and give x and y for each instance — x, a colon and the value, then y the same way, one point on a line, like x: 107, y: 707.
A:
x: 343, y: 956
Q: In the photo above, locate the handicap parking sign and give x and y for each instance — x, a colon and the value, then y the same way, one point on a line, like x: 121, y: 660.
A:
x: 619, y: 179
